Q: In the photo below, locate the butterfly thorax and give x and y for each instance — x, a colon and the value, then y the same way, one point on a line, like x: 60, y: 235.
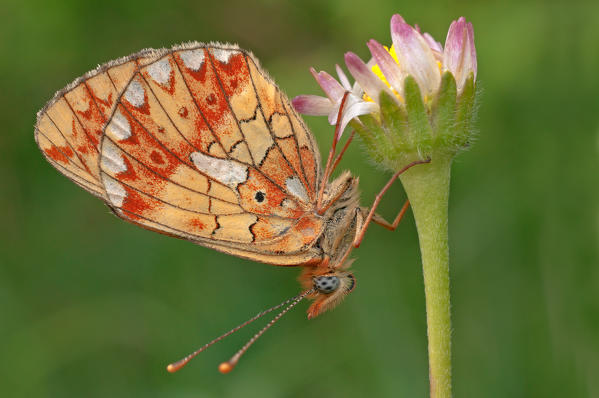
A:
x: 341, y: 219
x: 329, y: 278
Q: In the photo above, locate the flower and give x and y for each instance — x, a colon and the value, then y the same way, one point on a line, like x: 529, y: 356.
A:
x: 402, y: 87
x: 320, y: 106
x: 412, y: 103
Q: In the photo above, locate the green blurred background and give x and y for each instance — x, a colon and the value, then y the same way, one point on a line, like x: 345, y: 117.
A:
x: 92, y: 306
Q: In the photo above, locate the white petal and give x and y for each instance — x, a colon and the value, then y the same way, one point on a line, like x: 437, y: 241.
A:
x: 343, y: 78
x: 358, y: 109
x: 416, y: 57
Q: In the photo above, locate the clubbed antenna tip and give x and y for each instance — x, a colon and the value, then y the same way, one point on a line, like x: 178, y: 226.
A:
x: 228, y: 366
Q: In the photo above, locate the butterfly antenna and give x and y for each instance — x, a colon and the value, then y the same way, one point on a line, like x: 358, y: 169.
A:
x: 228, y: 366
x: 175, y: 366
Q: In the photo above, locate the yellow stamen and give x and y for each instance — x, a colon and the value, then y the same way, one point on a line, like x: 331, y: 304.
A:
x: 377, y: 71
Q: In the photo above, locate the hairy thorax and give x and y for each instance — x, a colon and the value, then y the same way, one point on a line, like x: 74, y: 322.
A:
x: 329, y: 279
x: 342, y: 219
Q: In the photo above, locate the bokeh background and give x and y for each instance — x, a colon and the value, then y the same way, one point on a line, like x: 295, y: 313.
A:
x: 92, y: 306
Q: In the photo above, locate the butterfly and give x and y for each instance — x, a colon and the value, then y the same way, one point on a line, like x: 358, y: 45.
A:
x: 197, y: 142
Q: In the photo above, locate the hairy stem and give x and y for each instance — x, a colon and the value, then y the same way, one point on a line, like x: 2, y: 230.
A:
x: 427, y: 186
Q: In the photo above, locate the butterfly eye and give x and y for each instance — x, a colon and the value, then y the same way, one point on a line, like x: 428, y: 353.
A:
x: 260, y: 196
x: 326, y: 284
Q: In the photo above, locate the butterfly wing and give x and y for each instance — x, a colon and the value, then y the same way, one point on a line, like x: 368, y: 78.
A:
x: 69, y: 128
x: 200, y: 144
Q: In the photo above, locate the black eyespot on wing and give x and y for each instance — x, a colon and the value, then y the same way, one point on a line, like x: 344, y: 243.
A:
x: 260, y: 196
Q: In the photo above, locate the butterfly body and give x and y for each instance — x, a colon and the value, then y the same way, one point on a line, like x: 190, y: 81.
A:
x: 197, y: 142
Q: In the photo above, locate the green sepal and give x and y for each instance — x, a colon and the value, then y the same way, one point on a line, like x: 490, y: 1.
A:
x: 465, y: 113
x: 395, y: 122
x: 444, y: 111
x: 420, y: 131
x: 394, y: 118
x: 369, y: 132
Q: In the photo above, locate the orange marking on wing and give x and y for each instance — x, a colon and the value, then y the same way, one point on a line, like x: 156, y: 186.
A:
x: 276, y: 168
x: 266, y: 229
x: 142, y: 146
x: 130, y: 174
x: 206, y: 91
x: 103, y: 92
x: 273, y: 196
x: 91, y: 117
x: 303, y: 233
x: 272, y: 201
x: 184, y: 115
x: 155, y: 157
x: 144, y: 180
x: 82, y: 149
x: 197, y: 224
x: 169, y: 86
x: 87, y: 146
x: 53, y: 150
x: 70, y: 132
x: 234, y: 74
x: 58, y: 153
x: 137, y: 205
x: 309, y: 228
x: 156, y: 124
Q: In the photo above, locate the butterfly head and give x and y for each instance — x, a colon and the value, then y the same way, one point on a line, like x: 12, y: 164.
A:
x: 330, y: 287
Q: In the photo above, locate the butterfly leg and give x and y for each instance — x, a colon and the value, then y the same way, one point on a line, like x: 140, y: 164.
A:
x: 377, y: 219
x: 338, y: 159
x: 377, y: 200
x: 330, y: 165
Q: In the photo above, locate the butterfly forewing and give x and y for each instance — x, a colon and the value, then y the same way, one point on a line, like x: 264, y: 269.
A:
x: 203, y: 146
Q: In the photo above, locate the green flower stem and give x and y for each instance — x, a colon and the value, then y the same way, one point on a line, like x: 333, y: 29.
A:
x: 427, y: 186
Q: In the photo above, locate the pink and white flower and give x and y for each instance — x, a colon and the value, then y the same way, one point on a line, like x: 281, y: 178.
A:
x: 412, y: 54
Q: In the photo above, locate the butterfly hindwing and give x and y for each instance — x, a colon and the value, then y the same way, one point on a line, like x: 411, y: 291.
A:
x: 194, y: 149
x: 195, y: 142
x: 70, y: 127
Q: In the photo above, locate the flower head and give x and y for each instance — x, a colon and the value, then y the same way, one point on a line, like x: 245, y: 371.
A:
x: 406, y: 93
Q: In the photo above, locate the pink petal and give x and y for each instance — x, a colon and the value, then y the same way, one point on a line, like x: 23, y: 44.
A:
x: 329, y: 85
x: 312, y: 105
x: 460, y: 54
x: 432, y: 43
x: 369, y: 82
x: 343, y: 78
x: 415, y: 56
x: 454, y: 44
x: 473, y: 61
x: 388, y: 66
x: 396, y: 19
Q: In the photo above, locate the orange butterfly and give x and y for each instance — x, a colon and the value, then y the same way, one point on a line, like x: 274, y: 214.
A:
x: 197, y: 142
